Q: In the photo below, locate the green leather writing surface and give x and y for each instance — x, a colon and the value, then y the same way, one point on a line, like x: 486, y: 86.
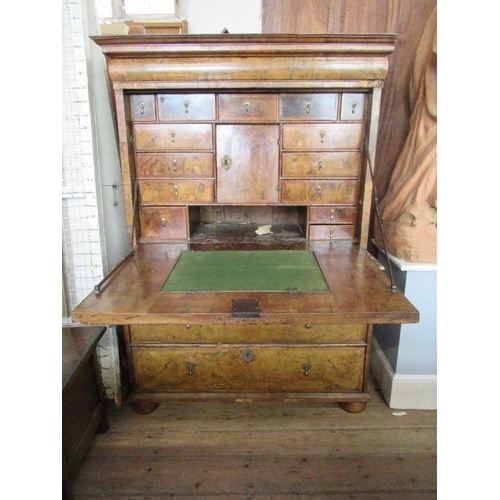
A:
x: 246, y: 270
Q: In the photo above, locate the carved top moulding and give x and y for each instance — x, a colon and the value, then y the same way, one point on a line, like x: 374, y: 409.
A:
x: 272, y: 60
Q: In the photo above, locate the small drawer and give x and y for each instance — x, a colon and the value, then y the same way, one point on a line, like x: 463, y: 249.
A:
x: 164, y: 223
x: 332, y: 214
x: 191, y: 165
x: 248, y: 107
x: 186, y: 107
x: 248, y: 333
x: 175, y: 136
x: 353, y: 107
x: 331, y: 232
x: 178, y: 191
x: 249, y: 368
x: 308, y: 106
x: 142, y: 108
x: 327, y: 164
x: 322, y: 136
x: 319, y: 192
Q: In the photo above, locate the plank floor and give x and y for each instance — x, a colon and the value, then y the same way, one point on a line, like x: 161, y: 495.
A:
x: 275, y: 451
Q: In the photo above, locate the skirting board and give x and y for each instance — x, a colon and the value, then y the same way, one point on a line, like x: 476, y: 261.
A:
x: 403, y: 392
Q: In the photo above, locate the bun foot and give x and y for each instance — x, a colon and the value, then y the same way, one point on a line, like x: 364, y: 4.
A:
x: 353, y: 407
x: 144, y: 408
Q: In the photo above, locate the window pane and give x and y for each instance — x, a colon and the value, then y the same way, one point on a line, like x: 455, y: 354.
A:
x: 149, y: 7
x: 104, y: 8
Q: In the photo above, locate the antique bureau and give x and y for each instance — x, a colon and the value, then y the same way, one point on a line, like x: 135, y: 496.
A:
x: 220, y: 136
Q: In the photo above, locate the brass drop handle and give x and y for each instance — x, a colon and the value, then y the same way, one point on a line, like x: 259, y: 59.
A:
x: 172, y: 136
x: 190, y: 367
x: 174, y: 164
x: 308, y: 107
x: 322, y: 135
x: 319, y: 191
x: 247, y: 107
x: 332, y: 214
x: 331, y: 233
x: 141, y: 108
x: 163, y: 222
x: 354, y: 105
x: 176, y: 190
x: 307, y: 368
x: 186, y: 106
x: 320, y: 164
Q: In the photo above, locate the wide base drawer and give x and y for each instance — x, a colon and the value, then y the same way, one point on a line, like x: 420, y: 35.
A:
x: 248, y: 369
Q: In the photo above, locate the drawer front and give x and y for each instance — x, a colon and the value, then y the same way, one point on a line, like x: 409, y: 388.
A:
x: 353, y: 107
x: 158, y: 137
x: 333, y: 214
x: 331, y: 232
x: 327, y: 164
x: 248, y: 107
x: 308, y: 106
x: 248, y: 368
x: 320, y: 192
x: 186, y: 107
x: 164, y: 223
x: 178, y: 191
x: 142, y: 108
x: 327, y: 136
x: 159, y: 165
x: 248, y: 333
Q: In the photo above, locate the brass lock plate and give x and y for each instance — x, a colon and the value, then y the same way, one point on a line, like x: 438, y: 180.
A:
x: 245, y: 308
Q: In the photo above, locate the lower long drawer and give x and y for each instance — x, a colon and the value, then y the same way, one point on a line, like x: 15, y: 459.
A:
x: 248, y: 368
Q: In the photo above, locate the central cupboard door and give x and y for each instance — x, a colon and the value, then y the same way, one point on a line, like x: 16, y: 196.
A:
x: 247, y: 164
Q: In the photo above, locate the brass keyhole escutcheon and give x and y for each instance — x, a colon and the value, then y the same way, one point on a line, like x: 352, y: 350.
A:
x: 226, y: 163
x: 174, y: 164
x: 332, y: 213
x: 354, y: 105
x: 141, y: 108
x: 320, y: 164
x: 322, y: 135
x: 247, y: 107
x: 319, y: 191
x: 308, y: 107
x: 331, y: 233
x: 247, y: 355
x: 307, y: 368
x: 186, y: 106
x: 172, y: 136
x: 190, y: 367
x: 163, y: 222
x: 176, y: 190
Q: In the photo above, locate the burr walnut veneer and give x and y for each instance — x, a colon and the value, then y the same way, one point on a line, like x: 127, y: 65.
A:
x: 218, y: 136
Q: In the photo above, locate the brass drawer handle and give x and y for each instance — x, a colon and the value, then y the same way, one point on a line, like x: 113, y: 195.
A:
x: 354, y: 105
x: 332, y: 213
x: 163, y: 222
x: 320, y: 164
x: 226, y: 162
x: 190, y: 367
x: 308, y: 107
x: 331, y: 233
x: 322, y: 135
x: 247, y: 107
x: 247, y: 355
x: 141, y: 108
x: 176, y: 190
x: 319, y: 191
x: 307, y: 368
x: 172, y: 136
x: 174, y: 165
x: 186, y: 106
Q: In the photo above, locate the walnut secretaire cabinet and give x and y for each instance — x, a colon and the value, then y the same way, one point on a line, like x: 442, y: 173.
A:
x: 221, y: 136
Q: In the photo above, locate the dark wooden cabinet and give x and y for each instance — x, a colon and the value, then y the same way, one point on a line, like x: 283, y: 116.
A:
x: 83, y: 400
x: 224, y: 135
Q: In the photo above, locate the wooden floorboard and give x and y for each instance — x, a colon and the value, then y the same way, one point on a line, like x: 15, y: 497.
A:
x: 264, y: 451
